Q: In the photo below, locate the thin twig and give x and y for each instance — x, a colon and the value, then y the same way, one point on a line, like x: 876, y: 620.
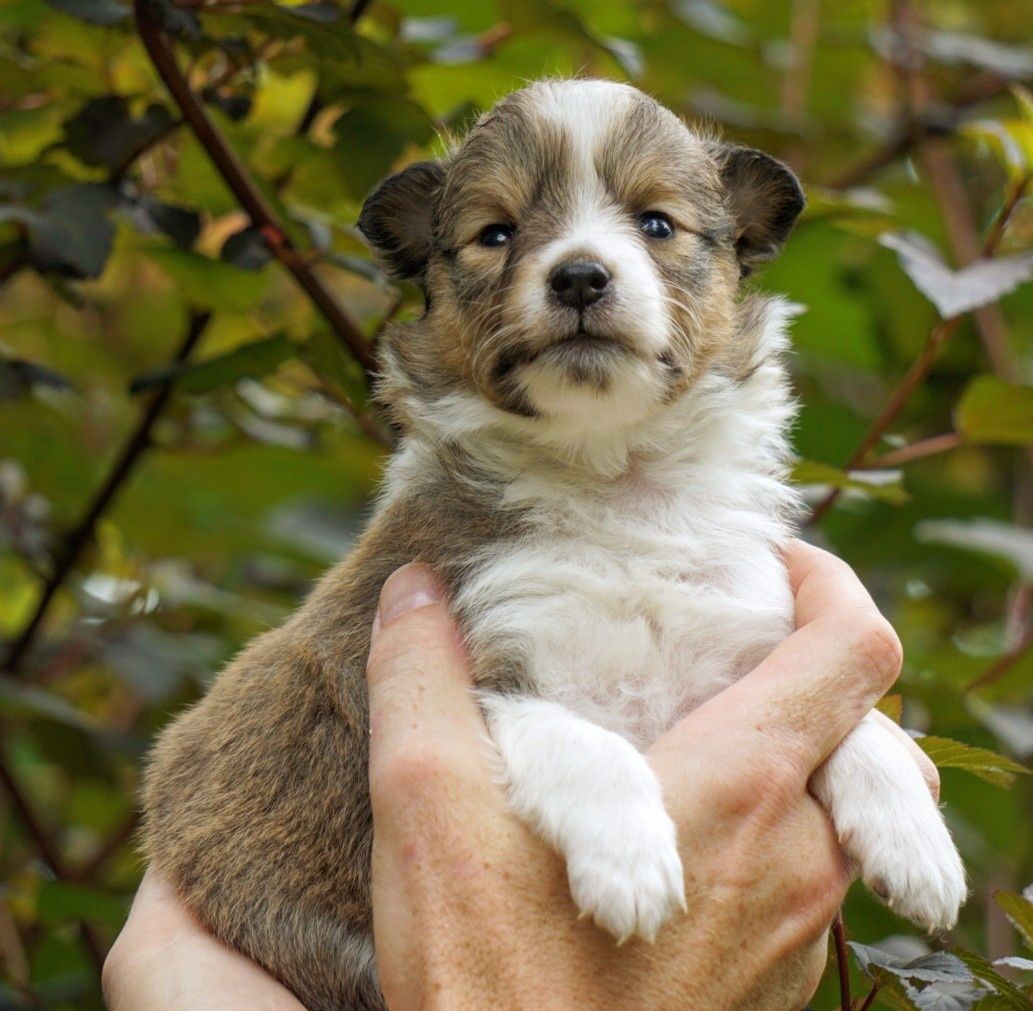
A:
x: 920, y: 367
x: 915, y: 451
x: 258, y: 209
x: 1001, y: 666
x: 913, y: 378
x: 910, y: 132
x: 870, y: 999
x: 108, y: 849
x: 358, y: 8
x: 40, y: 839
x: 123, y: 468
x: 842, y: 962
x: 46, y: 850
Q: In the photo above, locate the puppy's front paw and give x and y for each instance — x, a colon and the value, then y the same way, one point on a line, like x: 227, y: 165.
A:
x: 908, y: 859
x: 890, y: 826
x: 625, y: 871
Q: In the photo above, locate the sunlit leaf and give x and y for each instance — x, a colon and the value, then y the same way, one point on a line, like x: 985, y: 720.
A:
x: 892, y: 706
x: 883, y: 486
x: 987, y: 765
x: 956, y: 291
x: 992, y: 410
x: 1019, y: 911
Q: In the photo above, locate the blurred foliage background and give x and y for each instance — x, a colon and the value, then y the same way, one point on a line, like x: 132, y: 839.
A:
x: 186, y: 442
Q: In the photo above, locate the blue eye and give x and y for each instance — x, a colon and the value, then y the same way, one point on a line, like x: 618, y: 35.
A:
x: 496, y: 235
x: 655, y: 225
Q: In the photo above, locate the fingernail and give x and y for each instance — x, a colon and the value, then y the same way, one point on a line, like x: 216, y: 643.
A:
x: 406, y: 589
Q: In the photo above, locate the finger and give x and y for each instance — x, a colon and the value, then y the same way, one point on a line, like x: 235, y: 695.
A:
x: 420, y: 690
x: 164, y: 959
x: 817, y: 684
x: 925, y: 764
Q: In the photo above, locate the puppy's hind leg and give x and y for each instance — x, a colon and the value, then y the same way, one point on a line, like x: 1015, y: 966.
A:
x: 592, y: 796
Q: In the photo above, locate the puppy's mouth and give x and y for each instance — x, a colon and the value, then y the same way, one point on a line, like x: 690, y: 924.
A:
x: 584, y: 343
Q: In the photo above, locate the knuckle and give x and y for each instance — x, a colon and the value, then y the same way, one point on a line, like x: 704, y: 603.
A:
x: 877, y: 647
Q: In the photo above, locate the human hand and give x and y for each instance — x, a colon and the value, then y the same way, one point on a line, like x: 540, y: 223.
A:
x: 471, y: 910
x: 164, y: 960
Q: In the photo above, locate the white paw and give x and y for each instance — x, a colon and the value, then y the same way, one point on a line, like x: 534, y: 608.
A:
x: 908, y: 859
x: 891, y: 828
x: 625, y: 871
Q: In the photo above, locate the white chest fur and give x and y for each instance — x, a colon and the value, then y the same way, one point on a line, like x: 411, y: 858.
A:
x: 633, y: 604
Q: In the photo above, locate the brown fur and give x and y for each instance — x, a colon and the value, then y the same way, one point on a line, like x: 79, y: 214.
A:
x: 256, y: 799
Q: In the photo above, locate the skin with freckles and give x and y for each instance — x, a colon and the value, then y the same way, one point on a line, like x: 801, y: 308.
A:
x: 472, y: 911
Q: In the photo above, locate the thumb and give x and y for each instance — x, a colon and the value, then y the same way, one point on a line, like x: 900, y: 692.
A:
x: 420, y: 689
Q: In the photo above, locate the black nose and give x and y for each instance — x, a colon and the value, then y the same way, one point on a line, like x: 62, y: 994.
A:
x: 579, y: 282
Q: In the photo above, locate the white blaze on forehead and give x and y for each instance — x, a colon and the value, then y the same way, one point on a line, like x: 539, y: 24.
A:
x: 593, y: 226
x: 586, y: 111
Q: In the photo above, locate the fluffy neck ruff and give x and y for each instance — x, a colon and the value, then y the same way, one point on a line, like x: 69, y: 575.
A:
x: 726, y: 433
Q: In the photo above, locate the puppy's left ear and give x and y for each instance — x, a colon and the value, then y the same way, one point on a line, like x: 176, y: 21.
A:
x: 397, y: 219
x: 765, y: 199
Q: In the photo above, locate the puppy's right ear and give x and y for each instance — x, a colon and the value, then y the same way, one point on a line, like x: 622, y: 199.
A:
x: 397, y: 219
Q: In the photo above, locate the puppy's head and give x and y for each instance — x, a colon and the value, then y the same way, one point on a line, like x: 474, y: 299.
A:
x: 580, y: 253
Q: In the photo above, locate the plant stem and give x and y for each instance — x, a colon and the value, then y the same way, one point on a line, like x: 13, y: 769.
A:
x: 82, y: 534
x: 920, y: 367
x: 842, y: 962
x: 1000, y: 666
x: 915, y: 451
x: 870, y: 999
x: 255, y: 205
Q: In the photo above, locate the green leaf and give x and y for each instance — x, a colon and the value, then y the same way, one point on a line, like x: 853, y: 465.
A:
x: 1019, y: 910
x: 811, y: 472
x: 891, y: 706
x: 954, y: 292
x: 104, y: 132
x: 71, y: 235
x: 1003, y: 540
x: 1011, y: 140
x: 992, y: 410
x: 982, y: 970
x: 60, y: 902
x: 373, y: 134
x: 981, y: 762
x: 246, y: 249
x: 936, y: 967
x: 251, y: 361
x: 18, y: 377
x: 95, y: 12
x: 209, y: 283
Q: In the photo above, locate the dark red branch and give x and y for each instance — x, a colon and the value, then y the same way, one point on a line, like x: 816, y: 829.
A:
x: 920, y: 367
x: 47, y: 851
x: 123, y: 468
x: 916, y: 451
x: 1000, y: 666
x: 255, y: 205
x: 870, y: 999
x: 842, y: 962
x: 108, y: 849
